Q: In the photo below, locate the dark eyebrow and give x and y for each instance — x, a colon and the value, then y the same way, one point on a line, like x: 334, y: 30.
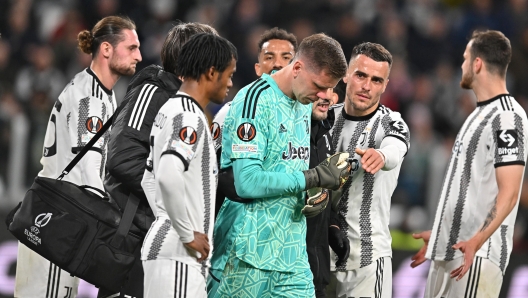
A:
x: 373, y: 77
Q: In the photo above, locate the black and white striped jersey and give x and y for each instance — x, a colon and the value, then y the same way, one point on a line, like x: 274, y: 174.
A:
x: 181, y: 129
x: 494, y: 135
x: 364, y: 209
x: 78, y: 114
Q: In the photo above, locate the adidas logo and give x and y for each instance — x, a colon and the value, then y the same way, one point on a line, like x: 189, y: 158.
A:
x: 282, y: 128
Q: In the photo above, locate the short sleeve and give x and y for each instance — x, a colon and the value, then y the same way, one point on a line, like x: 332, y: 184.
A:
x: 184, y: 137
x: 394, y: 126
x: 508, y: 143
x: 85, y: 118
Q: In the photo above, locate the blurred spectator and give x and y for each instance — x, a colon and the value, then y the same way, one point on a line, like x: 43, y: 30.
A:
x: 41, y: 75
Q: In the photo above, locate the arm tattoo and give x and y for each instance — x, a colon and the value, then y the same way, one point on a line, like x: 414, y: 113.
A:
x: 490, y: 217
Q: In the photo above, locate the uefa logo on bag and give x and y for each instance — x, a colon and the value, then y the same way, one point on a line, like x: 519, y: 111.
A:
x: 42, y: 219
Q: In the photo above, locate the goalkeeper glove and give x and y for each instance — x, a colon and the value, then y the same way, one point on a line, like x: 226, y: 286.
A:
x: 331, y: 173
x: 316, y: 201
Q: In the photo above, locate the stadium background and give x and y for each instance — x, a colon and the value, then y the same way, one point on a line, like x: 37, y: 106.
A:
x: 38, y: 55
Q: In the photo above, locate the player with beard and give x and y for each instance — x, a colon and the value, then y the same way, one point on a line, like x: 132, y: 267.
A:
x: 82, y: 108
x: 475, y: 218
x: 184, y: 168
x: 377, y: 140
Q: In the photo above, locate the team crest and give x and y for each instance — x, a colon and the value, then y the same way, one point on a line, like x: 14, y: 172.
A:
x: 246, y: 132
x: 188, y: 135
x: 94, y: 124
x: 215, y: 130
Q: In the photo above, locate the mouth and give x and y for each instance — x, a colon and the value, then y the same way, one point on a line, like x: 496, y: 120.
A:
x: 323, y: 105
x: 363, y: 96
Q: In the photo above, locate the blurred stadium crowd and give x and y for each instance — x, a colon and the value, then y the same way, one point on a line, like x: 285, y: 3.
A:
x: 38, y: 54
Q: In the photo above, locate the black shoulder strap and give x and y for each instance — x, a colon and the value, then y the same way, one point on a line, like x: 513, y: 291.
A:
x: 90, y: 144
x: 126, y: 221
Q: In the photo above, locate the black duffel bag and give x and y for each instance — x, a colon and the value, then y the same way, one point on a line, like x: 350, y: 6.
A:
x: 81, y: 232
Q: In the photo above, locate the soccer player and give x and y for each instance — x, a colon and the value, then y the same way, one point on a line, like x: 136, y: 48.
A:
x: 82, y: 108
x: 473, y: 227
x: 128, y: 145
x: 377, y: 140
x: 183, y: 163
x: 266, y: 141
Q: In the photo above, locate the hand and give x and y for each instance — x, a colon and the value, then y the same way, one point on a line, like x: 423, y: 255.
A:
x: 331, y: 173
x: 316, y: 201
x: 419, y: 257
x: 199, y: 244
x: 469, y: 248
x: 339, y: 243
x: 335, y: 197
x: 371, y: 160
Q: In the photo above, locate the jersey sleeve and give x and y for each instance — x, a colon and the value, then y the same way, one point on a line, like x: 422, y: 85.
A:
x: 186, y: 132
x: 508, y: 143
x: 85, y: 118
x: 246, y: 130
x: 394, y: 126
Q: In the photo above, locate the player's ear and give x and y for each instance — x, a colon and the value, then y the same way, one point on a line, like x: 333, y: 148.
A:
x: 297, y: 66
x: 210, y: 74
x: 105, y: 49
x: 257, y: 69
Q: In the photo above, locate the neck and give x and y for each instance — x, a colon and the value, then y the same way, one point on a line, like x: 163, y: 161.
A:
x: 283, y: 78
x: 102, y: 70
x: 349, y: 109
x: 195, y: 91
x: 489, y: 87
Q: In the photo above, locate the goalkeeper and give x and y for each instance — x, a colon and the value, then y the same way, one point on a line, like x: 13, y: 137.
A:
x: 266, y: 141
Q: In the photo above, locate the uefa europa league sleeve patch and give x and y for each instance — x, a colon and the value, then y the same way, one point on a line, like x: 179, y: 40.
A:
x: 94, y: 124
x: 188, y: 135
x: 246, y: 132
x: 215, y: 130
x: 507, y: 142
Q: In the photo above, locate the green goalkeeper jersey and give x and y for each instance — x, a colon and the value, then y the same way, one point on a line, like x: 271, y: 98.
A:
x: 267, y: 127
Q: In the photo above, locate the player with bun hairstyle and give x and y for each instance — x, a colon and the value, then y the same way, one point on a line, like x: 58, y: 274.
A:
x: 82, y: 108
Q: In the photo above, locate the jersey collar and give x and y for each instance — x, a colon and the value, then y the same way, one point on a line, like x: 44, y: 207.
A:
x: 273, y: 84
x: 359, y: 118
x: 483, y: 103
x: 106, y: 90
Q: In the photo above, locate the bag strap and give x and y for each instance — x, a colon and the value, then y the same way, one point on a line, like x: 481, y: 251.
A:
x: 126, y: 221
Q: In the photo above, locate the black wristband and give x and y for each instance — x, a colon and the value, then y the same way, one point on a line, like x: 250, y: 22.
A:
x: 312, y: 178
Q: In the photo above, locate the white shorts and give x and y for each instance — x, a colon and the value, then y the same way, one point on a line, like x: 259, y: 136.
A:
x: 483, y: 279
x: 37, y: 277
x: 374, y: 280
x: 169, y: 278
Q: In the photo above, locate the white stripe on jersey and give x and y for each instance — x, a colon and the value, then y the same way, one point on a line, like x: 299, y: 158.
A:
x: 367, y: 196
x: 493, y: 135
x: 140, y: 108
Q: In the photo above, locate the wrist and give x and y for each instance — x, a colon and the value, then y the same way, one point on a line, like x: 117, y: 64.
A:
x: 311, y: 177
x: 382, y: 155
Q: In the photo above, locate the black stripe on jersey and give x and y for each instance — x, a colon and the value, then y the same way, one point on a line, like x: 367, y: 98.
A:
x: 511, y: 104
x: 504, y: 247
x: 343, y: 203
x: 365, y: 221
x: 176, y: 278
x: 105, y: 139
x: 155, y: 247
x: 186, y: 275
x: 52, y: 290
x: 49, y: 278
x: 189, y: 104
x: 206, y: 172
x: 509, y: 163
x: 453, y: 164
x: 58, y: 105
x: 76, y: 150
x: 250, y: 103
x: 84, y: 108
x: 181, y: 281
x: 517, y: 120
x: 337, y: 129
x: 93, y: 87
x: 52, y: 150
x: 495, y: 127
x: 378, y: 290
x: 251, y: 89
x: 464, y: 184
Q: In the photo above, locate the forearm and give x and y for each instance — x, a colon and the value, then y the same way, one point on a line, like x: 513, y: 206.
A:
x: 170, y: 178
x: 393, y: 150
x: 509, y: 180
x: 128, y: 166
x: 252, y: 182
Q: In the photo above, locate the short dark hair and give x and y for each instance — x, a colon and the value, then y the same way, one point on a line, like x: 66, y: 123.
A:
x: 203, y: 51
x: 374, y: 51
x: 276, y: 33
x: 323, y: 53
x: 176, y: 38
x: 109, y: 29
x: 494, y: 48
